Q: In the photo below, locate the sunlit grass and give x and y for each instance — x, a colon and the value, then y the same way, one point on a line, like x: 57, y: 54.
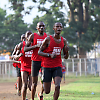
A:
x: 75, y: 88
x: 85, y: 88
x: 8, y: 80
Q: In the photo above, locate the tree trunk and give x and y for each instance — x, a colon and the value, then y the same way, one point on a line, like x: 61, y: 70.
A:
x: 86, y: 15
x: 82, y: 53
x: 71, y: 11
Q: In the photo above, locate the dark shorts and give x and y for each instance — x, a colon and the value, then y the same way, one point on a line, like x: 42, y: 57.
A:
x: 50, y: 73
x: 36, y: 65
x: 18, y: 71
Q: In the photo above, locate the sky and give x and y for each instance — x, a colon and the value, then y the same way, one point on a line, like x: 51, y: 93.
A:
x: 27, y: 18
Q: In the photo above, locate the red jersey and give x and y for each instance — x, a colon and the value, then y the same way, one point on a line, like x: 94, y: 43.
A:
x: 17, y: 64
x: 14, y: 64
x: 26, y: 59
x: 63, y: 68
x: 53, y: 47
x: 37, y: 40
x: 40, y: 70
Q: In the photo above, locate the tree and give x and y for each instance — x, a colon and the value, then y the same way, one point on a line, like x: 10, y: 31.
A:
x: 15, y: 27
x: 78, y: 32
x: 2, y: 29
x: 11, y: 29
x: 79, y: 20
x: 51, y: 16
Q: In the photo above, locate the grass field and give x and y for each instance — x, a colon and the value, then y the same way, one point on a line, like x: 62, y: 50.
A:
x: 85, y: 88
x: 80, y: 88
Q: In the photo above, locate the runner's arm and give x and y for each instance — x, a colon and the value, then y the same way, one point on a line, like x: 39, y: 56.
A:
x: 65, y: 49
x: 14, y: 52
x: 43, y: 47
x: 18, y: 54
x: 27, y: 46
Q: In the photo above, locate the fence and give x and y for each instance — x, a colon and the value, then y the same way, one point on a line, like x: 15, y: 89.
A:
x: 7, y: 70
x: 82, y: 66
x: 74, y: 66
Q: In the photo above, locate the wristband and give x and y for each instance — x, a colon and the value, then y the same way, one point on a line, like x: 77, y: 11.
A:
x: 48, y: 55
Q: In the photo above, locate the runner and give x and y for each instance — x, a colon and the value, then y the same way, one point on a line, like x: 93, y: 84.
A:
x: 25, y: 65
x: 37, y: 39
x: 17, y: 65
x: 40, y: 94
x: 52, y: 63
x: 63, y: 71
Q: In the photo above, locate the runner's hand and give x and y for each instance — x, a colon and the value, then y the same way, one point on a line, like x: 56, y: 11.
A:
x: 53, y: 55
x: 38, y: 45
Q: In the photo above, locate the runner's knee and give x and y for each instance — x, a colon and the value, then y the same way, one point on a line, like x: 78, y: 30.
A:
x: 34, y: 85
x: 47, y: 91
x: 25, y: 86
x: 29, y: 86
x: 57, y: 87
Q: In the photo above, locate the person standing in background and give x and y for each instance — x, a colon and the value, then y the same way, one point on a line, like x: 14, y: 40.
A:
x: 63, y: 71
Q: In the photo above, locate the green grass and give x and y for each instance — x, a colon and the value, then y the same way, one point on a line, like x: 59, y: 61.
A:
x: 8, y: 80
x: 81, y: 89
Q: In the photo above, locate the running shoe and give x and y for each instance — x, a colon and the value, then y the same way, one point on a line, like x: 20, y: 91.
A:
x: 41, y: 81
x: 19, y: 92
x: 53, y: 82
x: 40, y: 97
x: 16, y: 86
x: 26, y: 98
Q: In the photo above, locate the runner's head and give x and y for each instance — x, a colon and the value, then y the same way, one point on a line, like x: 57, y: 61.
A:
x: 40, y: 27
x: 23, y: 37
x: 57, y: 28
x: 27, y: 34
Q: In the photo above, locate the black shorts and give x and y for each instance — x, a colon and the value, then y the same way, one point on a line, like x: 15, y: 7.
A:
x: 50, y: 73
x: 36, y: 65
x: 18, y: 71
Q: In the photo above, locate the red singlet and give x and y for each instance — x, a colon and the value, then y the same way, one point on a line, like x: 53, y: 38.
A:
x: 26, y: 60
x: 63, y: 68
x: 37, y: 40
x: 53, y: 47
x: 17, y: 64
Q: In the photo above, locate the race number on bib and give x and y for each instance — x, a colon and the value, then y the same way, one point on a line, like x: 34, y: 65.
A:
x: 57, y: 50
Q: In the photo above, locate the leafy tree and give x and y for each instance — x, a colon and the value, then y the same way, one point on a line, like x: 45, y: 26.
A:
x: 51, y: 16
x: 15, y: 27
x: 95, y: 22
x: 82, y: 28
x: 78, y: 32
x: 11, y: 29
x: 2, y: 29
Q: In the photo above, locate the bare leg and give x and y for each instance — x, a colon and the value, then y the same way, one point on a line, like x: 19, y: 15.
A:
x: 34, y: 85
x: 41, y: 78
x: 42, y: 90
x: 57, y: 81
x: 64, y: 77
x: 25, y: 82
x: 47, y: 87
x: 30, y: 82
x: 19, y: 83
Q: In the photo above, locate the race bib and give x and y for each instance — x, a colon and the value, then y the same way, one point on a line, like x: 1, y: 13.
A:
x: 28, y: 54
x: 39, y: 41
x: 57, y: 50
